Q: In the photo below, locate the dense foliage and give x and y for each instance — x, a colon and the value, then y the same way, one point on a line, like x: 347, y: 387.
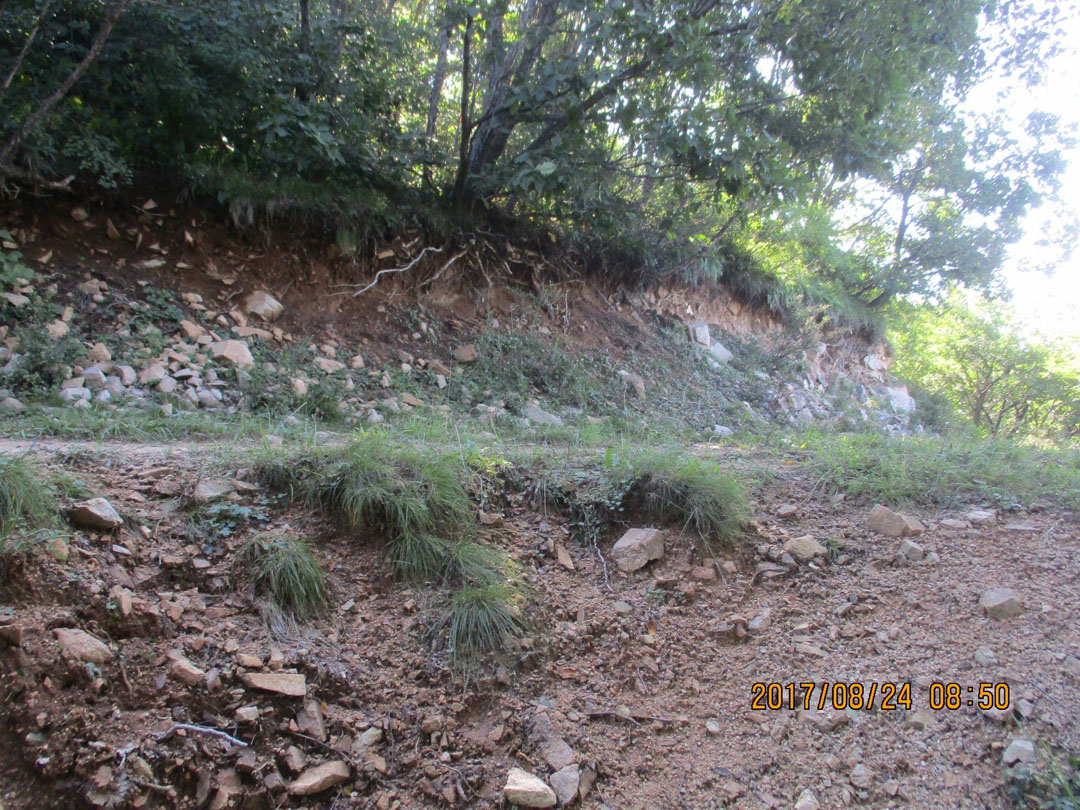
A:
x: 816, y: 141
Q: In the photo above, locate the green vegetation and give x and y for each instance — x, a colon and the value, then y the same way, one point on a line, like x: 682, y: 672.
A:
x: 285, y: 569
x: 986, y: 374
x: 718, y: 143
x: 903, y: 470
x: 27, y: 503
x: 692, y: 493
x: 481, y: 619
x: 413, y: 501
x: 1054, y: 786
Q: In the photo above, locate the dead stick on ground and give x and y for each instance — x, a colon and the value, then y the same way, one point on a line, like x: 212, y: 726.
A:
x: 229, y: 738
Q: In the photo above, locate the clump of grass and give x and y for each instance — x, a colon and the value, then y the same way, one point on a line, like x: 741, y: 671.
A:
x: 413, y: 499
x: 286, y: 570
x: 27, y: 502
x: 481, y: 619
x: 415, y: 502
x: 693, y: 492
x: 909, y: 470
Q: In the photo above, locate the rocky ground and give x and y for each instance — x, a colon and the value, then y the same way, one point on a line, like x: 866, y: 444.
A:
x: 138, y: 671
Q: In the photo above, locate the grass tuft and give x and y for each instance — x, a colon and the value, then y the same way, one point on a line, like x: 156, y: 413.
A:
x: 285, y: 569
x: 693, y: 492
x: 482, y: 619
x: 27, y: 502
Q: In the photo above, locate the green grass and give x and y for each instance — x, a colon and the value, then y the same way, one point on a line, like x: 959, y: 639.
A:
x: 481, y: 619
x: 412, y: 500
x: 692, y: 492
x: 149, y: 425
x: 286, y: 570
x: 27, y: 503
x: 904, y: 471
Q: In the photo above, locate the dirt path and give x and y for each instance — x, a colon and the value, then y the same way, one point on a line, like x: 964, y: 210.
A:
x: 644, y: 678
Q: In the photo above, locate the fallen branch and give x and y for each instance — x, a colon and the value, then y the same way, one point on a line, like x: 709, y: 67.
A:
x: 229, y: 738
x: 396, y: 270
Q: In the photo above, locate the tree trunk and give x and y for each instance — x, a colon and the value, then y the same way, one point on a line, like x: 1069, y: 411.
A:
x: 463, y: 139
x: 34, y: 120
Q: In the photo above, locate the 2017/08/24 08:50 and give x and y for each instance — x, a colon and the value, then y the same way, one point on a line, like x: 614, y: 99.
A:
x: 888, y: 696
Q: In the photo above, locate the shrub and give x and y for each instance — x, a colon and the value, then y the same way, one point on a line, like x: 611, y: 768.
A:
x: 27, y: 504
x: 286, y: 570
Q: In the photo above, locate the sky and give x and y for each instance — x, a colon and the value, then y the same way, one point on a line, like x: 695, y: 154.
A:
x: 1049, y: 305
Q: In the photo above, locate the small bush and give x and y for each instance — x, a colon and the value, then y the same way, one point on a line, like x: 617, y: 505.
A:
x: 43, y: 360
x: 286, y: 570
x: 905, y: 470
x: 26, y: 502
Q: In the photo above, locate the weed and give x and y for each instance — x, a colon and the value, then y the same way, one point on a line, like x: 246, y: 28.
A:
x: 42, y: 363
x: 286, y: 570
x: 210, y: 525
x: 1053, y: 787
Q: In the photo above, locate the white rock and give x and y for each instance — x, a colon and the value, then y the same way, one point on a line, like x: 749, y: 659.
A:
x: 232, y: 351
x: 541, y: 417
x: 328, y: 366
x: 1019, y: 751
x: 912, y: 552
x: 893, y: 524
x: 981, y: 517
x: 807, y: 801
x: 212, y: 489
x: 526, y: 790
x: 263, y: 305
x: 11, y: 405
x: 99, y: 353
x: 96, y: 513
x: 75, y: 394
x: 156, y: 372
x: 699, y: 333
x: 985, y: 657
x: 637, y: 547
x: 720, y: 352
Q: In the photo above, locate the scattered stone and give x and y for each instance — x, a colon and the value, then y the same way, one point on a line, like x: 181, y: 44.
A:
x: 191, y: 330
x: 15, y: 299
x: 328, y: 366
x: 80, y: 644
x: 536, y: 414
x: 566, y: 782
x: 96, y: 513
x: 310, y: 720
x: 247, y: 714
x: 356, y: 361
x: 892, y: 524
x: 553, y: 748
x: 787, y: 510
x: 294, y: 759
x: 58, y: 549
x: 465, y: 354
x: 212, y: 489
x: 911, y: 552
x: 807, y: 801
x: 320, y: 778
x: 94, y: 377
x: 720, y: 352
x: 636, y: 548
x: 412, y: 401
x: 186, y: 672
x: 699, y: 333
x: 232, y: 351
x: 11, y: 405
x: 154, y: 373
x: 1019, y: 751
x: 1001, y: 603
x: 283, y: 683
x: 633, y: 382
x: 526, y: 790
x: 703, y: 573
x: 953, y: 523
x: 805, y: 548
x: 73, y: 395
x: 99, y: 353
x: 79, y: 214
x: 985, y: 657
x: 57, y: 329
x: 861, y: 776
x: 622, y: 608
x: 981, y: 517
x: 263, y: 305
x: 712, y: 727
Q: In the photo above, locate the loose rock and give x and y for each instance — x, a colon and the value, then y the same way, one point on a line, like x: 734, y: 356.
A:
x: 636, y: 548
x: 805, y: 548
x: 263, y: 305
x: 293, y: 685
x: 320, y: 778
x: 892, y: 524
x: 82, y: 645
x: 1001, y: 603
x: 96, y: 513
x: 526, y: 790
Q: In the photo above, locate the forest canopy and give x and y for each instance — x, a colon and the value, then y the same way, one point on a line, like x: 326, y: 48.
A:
x: 800, y: 149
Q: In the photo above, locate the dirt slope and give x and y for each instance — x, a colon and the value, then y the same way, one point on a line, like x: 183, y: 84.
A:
x: 644, y: 678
